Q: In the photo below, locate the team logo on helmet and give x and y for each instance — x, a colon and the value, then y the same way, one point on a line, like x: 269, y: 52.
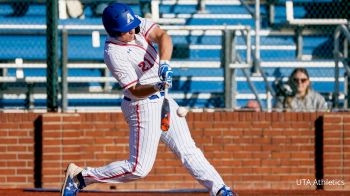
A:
x: 129, y: 17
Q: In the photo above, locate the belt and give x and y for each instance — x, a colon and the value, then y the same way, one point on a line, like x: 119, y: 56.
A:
x: 152, y: 97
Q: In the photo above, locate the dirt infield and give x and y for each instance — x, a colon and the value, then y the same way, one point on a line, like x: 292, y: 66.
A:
x: 44, y: 192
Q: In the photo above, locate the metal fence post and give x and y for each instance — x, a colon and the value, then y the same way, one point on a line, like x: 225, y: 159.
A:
x: 346, y: 92
x: 347, y: 99
x: 64, y: 74
x: 299, y: 34
x: 336, y: 71
x: 257, y: 59
x: 226, y: 60
x: 347, y: 76
x: 51, y: 48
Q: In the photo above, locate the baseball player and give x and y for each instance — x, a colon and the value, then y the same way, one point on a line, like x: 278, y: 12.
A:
x: 144, y: 74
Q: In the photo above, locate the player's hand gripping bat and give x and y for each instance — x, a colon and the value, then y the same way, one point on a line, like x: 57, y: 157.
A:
x: 165, y: 75
x: 165, y: 113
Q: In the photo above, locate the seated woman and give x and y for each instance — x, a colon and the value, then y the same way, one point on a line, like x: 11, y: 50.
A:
x: 302, y: 98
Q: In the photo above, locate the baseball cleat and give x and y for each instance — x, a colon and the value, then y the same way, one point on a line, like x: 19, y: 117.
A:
x: 73, y: 181
x: 226, y: 191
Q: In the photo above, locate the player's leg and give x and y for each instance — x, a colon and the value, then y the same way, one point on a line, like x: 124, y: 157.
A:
x: 180, y: 141
x: 144, y: 140
x: 143, y: 144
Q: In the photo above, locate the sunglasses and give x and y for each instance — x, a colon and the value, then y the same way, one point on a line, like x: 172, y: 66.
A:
x: 300, y: 80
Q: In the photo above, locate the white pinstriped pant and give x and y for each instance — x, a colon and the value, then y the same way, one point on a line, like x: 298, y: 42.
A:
x: 143, y: 118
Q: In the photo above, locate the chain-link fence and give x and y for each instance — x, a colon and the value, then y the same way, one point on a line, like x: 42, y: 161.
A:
x: 309, y: 28
x: 316, y: 36
x: 289, y: 38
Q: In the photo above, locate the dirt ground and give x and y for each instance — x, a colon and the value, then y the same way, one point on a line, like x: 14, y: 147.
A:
x: 44, y: 192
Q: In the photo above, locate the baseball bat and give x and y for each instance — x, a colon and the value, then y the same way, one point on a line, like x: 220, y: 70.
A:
x: 165, y: 113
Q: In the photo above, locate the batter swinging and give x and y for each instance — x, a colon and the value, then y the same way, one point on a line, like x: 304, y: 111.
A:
x: 143, y: 75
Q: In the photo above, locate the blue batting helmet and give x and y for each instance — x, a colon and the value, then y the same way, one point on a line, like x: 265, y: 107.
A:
x: 119, y: 17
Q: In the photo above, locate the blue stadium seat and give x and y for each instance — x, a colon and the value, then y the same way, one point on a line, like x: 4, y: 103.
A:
x: 212, y: 9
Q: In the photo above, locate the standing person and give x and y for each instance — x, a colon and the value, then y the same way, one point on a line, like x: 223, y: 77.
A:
x: 144, y: 75
x: 301, y: 98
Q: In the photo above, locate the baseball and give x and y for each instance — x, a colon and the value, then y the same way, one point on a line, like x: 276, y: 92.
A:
x: 181, y: 111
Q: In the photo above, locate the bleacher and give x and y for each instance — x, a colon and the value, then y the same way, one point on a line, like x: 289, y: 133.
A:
x: 197, y: 38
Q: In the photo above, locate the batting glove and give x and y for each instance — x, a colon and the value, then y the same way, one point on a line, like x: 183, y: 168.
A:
x: 165, y: 73
x: 161, y: 86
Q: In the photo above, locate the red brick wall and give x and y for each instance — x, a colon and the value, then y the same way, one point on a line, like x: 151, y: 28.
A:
x: 258, y: 150
x: 337, y: 151
x: 61, y: 144
x: 16, y: 149
x: 250, y: 150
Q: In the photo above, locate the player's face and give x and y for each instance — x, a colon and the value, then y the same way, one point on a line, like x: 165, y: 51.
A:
x: 127, y: 36
x: 302, y: 82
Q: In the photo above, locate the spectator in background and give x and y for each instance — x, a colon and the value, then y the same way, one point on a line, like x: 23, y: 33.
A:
x: 301, y: 98
x: 253, y: 106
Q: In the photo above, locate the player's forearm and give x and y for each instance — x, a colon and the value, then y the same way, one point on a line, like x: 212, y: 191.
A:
x: 141, y: 91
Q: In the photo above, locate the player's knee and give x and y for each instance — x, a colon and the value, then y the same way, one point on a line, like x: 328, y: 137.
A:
x: 141, y: 172
x: 188, y: 151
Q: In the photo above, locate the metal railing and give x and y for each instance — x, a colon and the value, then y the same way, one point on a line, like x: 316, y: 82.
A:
x: 229, y: 61
x: 300, y: 23
x: 256, y: 15
x: 341, y: 24
x: 341, y: 56
x: 232, y: 61
x: 64, y: 30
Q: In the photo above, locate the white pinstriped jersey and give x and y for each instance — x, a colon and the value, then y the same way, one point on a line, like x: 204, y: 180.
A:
x: 133, y: 62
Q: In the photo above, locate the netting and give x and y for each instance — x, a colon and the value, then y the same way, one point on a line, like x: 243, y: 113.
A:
x: 197, y: 57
